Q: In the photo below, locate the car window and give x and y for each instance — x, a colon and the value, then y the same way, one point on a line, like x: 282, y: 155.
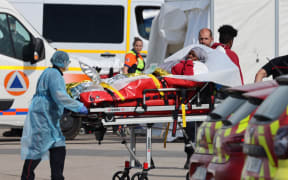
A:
x: 20, y: 37
x: 144, y: 18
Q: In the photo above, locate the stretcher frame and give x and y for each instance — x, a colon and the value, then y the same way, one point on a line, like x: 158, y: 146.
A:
x: 149, y: 121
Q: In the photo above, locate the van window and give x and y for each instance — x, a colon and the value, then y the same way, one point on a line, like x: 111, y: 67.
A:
x: 83, y: 23
x: 144, y: 17
x: 20, y: 37
x: 20, y: 46
x: 274, y: 105
x: 5, y: 40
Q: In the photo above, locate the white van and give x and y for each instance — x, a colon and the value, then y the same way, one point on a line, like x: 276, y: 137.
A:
x: 99, y: 29
x: 24, y: 53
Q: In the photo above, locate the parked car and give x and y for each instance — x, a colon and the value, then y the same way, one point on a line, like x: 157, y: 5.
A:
x: 262, y: 161
x: 228, y: 140
x: 281, y: 150
x: 204, y: 142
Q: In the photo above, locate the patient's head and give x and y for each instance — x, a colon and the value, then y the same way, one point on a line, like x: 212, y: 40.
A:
x: 192, y: 56
x: 196, y: 53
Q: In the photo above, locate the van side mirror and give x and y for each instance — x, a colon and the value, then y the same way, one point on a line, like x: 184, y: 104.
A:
x: 39, y: 50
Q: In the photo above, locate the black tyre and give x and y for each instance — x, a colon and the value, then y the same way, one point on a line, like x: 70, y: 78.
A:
x: 120, y: 176
x: 70, y: 126
x: 139, y: 176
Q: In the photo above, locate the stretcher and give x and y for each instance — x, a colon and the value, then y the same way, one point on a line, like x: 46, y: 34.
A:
x: 152, y: 98
x: 145, y: 100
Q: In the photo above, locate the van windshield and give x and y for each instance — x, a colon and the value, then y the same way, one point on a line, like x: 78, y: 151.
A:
x: 274, y: 105
x: 228, y: 106
x: 246, y: 109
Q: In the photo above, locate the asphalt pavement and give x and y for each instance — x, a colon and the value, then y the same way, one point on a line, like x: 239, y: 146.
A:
x: 86, y: 159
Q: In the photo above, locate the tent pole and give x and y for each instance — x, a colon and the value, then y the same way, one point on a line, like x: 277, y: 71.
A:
x: 276, y: 28
x: 212, y: 15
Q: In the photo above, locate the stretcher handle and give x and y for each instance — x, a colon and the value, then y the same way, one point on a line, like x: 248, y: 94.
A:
x: 163, y: 90
x: 175, y: 116
x: 175, y: 120
x: 183, y: 98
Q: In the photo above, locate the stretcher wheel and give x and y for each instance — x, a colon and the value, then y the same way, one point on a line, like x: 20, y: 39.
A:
x: 109, y: 117
x: 70, y: 125
x: 120, y: 175
x: 139, y: 176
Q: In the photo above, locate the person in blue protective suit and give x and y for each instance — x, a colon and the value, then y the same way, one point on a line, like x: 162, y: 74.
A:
x: 42, y: 133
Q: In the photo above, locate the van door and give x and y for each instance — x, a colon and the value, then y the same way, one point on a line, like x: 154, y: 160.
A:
x: 18, y: 74
x: 142, y: 14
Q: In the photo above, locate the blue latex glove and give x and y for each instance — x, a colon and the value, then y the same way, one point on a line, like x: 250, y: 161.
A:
x: 83, y: 110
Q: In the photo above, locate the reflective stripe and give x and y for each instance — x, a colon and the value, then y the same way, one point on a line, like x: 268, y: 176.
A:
x: 274, y: 126
x: 140, y: 65
x: 210, y: 148
x: 227, y: 132
x: 218, y: 158
x: 22, y: 68
x: 156, y: 82
x: 207, y: 134
x: 12, y: 112
x: 242, y: 126
x: 218, y: 125
x: 252, y: 139
x: 200, y: 150
x: 281, y: 172
x: 128, y: 25
x: 261, y: 173
x: 90, y: 51
x: 104, y: 85
x: 33, y: 68
x: 273, y: 170
x: 94, y: 51
x: 262, y: 142
x: 183, y: 115
x: 227, y: 157
x: 261, y: 130
x: 198, y: 138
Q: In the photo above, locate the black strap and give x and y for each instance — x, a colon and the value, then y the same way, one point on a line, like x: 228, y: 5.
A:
x: 112, y: 95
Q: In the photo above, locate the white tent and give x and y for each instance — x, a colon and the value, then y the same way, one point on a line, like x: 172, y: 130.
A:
x: 261, y: 25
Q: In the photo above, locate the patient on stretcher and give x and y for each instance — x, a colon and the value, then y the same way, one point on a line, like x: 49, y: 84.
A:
x: 207, y: 65
x: 193, y: 63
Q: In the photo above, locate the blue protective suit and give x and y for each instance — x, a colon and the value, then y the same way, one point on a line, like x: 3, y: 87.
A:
x: 42, y: 125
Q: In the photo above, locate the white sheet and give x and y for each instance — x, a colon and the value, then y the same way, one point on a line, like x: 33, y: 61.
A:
x: 221, y: 69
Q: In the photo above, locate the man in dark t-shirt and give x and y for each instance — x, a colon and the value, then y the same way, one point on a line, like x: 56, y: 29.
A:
x: 275, y: 67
